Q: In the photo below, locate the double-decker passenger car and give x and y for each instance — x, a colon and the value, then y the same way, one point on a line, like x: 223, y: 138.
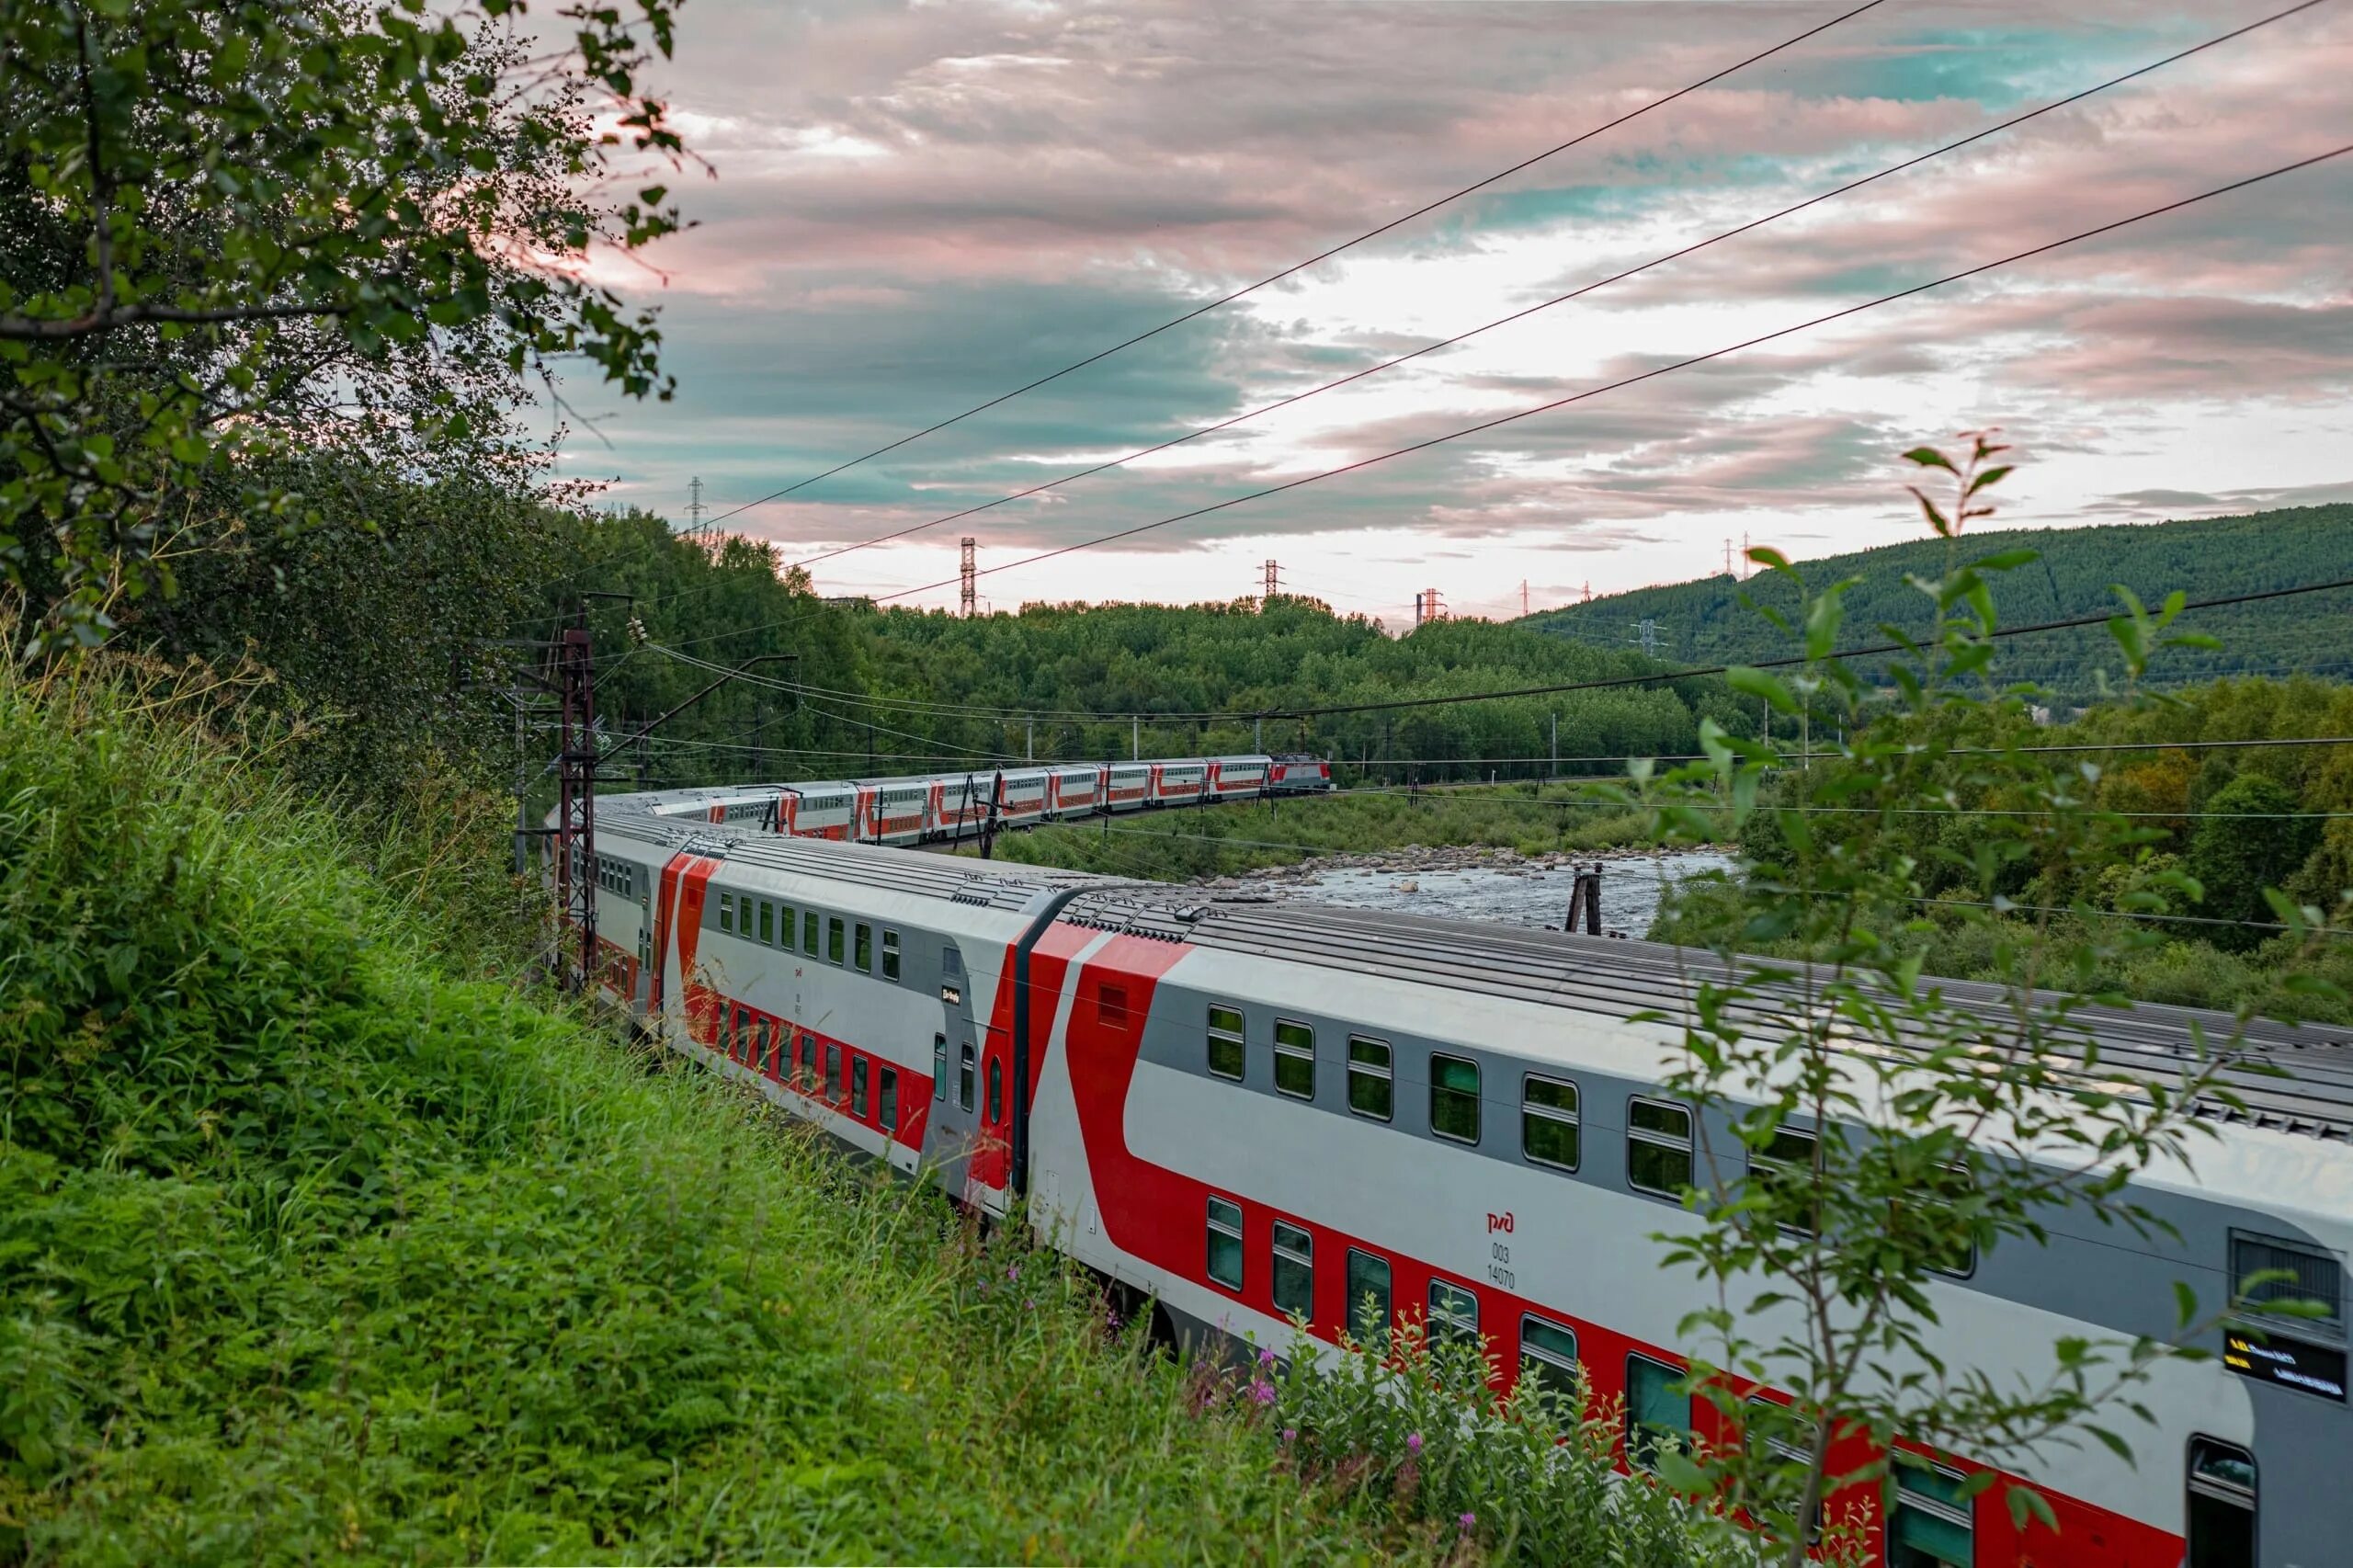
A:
x: 1249, y: 1111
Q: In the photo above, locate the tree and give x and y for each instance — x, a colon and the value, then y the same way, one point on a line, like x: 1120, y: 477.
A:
x: 237, y: 230
x: 2254, y: 835
x: 1882, y: 1132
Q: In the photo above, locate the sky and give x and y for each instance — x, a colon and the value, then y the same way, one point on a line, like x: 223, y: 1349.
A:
x: 911, y: 209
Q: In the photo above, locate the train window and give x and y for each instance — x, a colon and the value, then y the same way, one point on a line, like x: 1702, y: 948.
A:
x: 1784, y: 1170
x: 1295, y: 1059
x: 1454, y: 1315
x: 1294, y: 1271
x: 784, y: 926
x: 1658, y: 1147
x: 1226, y: 1053
x: 837, y: 939
x: 1782, y: 1440
x: 2296, y: 1272
x: 889, y: 1107
x: 1369, y: 1080
x: 1657, y: 1411
x: 1225, y: 1242
x: 890, y: 954
x: 951, y: 962
x: 808, y: 1074
x: 858, y: 1087
x: 1547, y: 1122
x: 940, y: 1067
x: 763, y: 1059
x: 1369, y: 1305
x: 2222, y: 1505
x: 1931, y: 1526
x: 767, y: 923
x: 833, y: 1069
x: 1548, y: 1360
x: 996, y: 1090
x: 727, y: 912
x: 865, y: 949
x: 1960, y: 1259
x: 1454, y: 1098
x: 964, y: 1078
x: 809, y: 932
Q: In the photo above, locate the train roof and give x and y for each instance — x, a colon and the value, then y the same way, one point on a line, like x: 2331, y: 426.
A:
x: 1001, y: 885
x: 1619, y: 977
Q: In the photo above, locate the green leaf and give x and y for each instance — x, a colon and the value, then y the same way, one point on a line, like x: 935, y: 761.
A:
x: 1928, y: 457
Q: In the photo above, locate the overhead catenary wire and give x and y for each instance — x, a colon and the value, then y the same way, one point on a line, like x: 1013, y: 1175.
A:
x: 1670, y: 368
x: 1317, y: 258
x: 1615, y: 278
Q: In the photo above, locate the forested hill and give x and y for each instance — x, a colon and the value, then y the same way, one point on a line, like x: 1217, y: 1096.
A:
x: 1240, y: 658
x: 1705, y: 622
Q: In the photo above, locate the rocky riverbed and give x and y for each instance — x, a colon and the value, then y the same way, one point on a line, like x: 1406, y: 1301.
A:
x: 1476, y: 883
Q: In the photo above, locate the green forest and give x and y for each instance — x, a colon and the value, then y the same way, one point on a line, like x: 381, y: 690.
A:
x: 1712, y: 621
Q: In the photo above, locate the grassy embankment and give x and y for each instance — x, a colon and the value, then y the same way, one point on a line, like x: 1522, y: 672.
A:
x: 313, y: 1247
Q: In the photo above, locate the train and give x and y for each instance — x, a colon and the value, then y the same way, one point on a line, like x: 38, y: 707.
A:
x: 1252, y: 1111
x: 924, y: 809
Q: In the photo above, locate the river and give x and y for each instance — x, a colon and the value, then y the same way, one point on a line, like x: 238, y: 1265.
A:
x: 1501, y: 888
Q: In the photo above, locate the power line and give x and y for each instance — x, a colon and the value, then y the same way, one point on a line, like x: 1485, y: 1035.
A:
x: 1296, y: 268
x: 1622, y: 383
x: 1698, y: 671
x: 1577, y: 293
x: 1619, y: 681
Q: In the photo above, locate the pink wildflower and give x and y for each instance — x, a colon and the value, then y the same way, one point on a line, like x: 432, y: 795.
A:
x: 1266, y: 1358
x: 1263, y: 1392
x: 1413, y: 1442
x: 1467, y: 1521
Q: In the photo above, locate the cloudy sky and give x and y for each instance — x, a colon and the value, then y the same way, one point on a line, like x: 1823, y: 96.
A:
x: 913, y: 208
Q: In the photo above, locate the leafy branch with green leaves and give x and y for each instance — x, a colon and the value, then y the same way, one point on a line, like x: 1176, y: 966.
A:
x: 1883, y: 1131
x: 234, y: 230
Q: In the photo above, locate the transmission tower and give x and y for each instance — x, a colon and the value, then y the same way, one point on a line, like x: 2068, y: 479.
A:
x: 968, y: 593
x: 1274, y: 584
x: 694, y: 507
x: 1429, y: 607
x: 1647, y: 637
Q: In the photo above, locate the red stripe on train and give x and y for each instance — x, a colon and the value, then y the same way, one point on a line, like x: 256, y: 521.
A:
x: 1159, y: 1216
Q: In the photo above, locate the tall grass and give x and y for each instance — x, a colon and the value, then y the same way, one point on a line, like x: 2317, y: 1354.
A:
x: 313, y: 1249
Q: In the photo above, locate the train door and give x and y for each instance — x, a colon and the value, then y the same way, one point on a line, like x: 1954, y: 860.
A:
x: 642, y: 992
x: 957, y: 1105
x: 993, y: 1153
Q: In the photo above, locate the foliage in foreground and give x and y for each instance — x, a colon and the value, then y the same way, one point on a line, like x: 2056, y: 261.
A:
x: 1884, y: 1133
x: 1411, y: 1419
x: 309, y: 1250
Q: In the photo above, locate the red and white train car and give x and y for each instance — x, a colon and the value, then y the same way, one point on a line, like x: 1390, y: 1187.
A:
x: 1127, y: 786
x: 1179, y: 783
x: 892, y: 811
x: 1245, y: 1111
x: 1074, y: 791
x: 820, y: 810
x: 1230, y: 777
